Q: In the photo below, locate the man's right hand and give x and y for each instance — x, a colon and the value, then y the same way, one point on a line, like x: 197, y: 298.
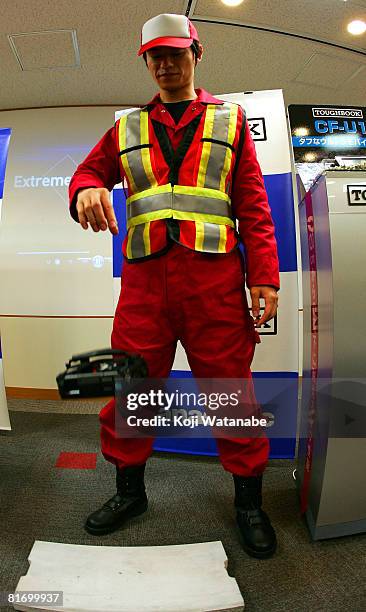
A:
x: 94, y: 206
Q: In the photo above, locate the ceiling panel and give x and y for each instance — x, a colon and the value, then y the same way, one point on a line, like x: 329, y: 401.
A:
x: 110, y: 72
x: 250, y: 69
x: 45, y: 50
x: 357, y: 85
x: 327, y: 70
x: 112, y: 15
x: 319, y: 19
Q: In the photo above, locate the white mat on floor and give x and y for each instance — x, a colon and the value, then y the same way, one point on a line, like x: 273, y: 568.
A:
x: 183, y: 578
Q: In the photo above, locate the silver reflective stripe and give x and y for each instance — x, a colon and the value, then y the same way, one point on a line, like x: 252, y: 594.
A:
x: 210, y: 243
x: 211, y: 238
x: 137, y: 242
x: 217, y: 156
x: 181, y: 201
x: 134, y: 158
x: 133, y: 136
x: 221, y: 122
x: 158, y: 201
x: 200, y: 204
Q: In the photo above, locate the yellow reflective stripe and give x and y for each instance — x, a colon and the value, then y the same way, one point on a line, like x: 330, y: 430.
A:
x: 231, y: 135
x: 187, y: 216
x: 144, y: 128
x: 222, y: 241
x: 149, y: 192
x: 151, y: 216
x: 205, y: 192
x: 145, y: 153
x: 200, y: 234
x: 186, y: 189
x: 122, y: 132
x: 129, y: 242
x: 146, y: 238
x: 122, y: 147
x: 206, y: 146
x: 209, y: 121
x: 232, y: 123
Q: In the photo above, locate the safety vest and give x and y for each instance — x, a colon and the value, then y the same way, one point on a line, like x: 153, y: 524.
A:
x: 206, y: 201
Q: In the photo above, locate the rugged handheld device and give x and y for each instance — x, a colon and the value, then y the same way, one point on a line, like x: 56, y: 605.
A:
x: 94, y: 374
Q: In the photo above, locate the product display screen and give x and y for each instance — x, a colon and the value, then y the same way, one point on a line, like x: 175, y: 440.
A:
x: 56, y: 267
x: 326, y: 137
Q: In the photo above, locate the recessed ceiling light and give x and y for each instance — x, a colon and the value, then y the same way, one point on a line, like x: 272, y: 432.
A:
x: 232, y: 2
x: 356, y: 27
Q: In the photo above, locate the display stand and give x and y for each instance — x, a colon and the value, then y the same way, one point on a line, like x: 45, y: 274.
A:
x: 332, y: 446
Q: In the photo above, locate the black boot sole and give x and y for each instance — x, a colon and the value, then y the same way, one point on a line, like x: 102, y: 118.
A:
x: 266, y: 554
x: 118, y: 524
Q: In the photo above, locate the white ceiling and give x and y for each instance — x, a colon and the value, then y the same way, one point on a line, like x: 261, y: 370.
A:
x: 85, y: 52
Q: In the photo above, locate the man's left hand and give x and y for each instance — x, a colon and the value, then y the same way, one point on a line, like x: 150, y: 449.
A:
x: 269, y: 294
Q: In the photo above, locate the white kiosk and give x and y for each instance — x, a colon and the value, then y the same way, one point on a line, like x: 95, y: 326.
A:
x: 332, y: 448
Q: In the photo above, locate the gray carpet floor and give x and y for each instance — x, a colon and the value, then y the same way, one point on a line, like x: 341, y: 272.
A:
x: 190, y: 501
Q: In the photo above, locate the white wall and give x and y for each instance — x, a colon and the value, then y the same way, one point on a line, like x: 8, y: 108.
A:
x: 56, y: 279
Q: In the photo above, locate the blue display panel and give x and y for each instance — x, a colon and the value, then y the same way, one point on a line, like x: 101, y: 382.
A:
x: 277, y: 395
x: 4, y: 146
x: 280, y: 198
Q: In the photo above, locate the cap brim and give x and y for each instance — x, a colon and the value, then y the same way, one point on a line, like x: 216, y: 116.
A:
x: 166, y: 41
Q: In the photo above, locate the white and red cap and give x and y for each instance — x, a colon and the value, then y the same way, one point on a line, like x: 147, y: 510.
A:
x: 168, y: 30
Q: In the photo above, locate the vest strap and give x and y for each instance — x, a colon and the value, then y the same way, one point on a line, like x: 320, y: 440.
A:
x: 210, y: 237
x: 135, y: 158
x: 179, y: 202
x: 217, y: 149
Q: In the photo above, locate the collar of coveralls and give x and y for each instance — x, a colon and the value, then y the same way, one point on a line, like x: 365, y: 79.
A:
x: 202, y: 96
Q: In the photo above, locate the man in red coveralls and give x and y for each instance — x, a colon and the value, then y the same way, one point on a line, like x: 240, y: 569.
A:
x: 192, y: 175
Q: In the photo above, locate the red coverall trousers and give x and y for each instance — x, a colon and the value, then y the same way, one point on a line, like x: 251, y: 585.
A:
x: 199, y: 299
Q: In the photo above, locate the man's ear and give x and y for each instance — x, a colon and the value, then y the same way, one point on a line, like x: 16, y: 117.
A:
x: 200, y: 53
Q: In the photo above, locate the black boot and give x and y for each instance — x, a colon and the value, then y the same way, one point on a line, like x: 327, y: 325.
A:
x: 129, y: 501
x: 257, y: 534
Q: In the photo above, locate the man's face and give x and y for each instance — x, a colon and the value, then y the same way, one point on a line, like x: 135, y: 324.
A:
x: 170, y: 67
